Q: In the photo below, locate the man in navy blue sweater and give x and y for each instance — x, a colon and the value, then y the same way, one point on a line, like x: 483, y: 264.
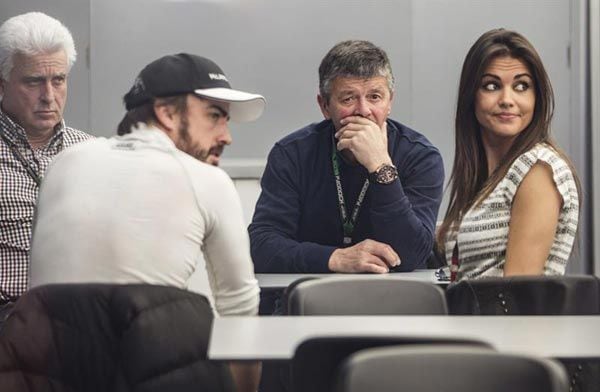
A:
x: 357, y: 192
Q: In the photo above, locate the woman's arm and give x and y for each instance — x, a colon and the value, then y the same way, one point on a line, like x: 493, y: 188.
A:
x: 533, y: 222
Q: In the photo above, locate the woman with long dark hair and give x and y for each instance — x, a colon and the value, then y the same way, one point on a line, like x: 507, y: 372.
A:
x: 514, y: 194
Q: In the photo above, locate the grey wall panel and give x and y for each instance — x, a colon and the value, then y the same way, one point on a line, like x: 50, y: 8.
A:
x: 271, y: 47
x: 580, y: 133
x: 443, y: 33
x: 76, y: 16
x: 595, y: 125
x: 274, y: 47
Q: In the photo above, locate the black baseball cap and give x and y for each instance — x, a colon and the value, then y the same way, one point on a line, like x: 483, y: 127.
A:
x: 185, y: 73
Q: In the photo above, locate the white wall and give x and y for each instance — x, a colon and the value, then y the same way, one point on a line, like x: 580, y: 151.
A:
x: 274, y: 47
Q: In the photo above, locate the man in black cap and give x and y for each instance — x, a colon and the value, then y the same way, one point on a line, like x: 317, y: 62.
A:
x: 145, y: 206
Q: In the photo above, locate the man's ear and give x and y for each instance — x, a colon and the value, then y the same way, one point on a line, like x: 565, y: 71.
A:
x: 2, y: 87
x: 324, y: 105
x: 167, y: 117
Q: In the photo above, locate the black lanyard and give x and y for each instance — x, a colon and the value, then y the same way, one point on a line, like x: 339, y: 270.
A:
x: 17, y: 154
x: 348, y: 223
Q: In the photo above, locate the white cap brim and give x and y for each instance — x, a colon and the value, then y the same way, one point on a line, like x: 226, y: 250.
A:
x: 244, y: 107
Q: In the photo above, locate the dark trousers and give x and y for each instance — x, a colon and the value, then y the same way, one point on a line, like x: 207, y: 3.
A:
x: 275, y: 375
x: 4, y: 312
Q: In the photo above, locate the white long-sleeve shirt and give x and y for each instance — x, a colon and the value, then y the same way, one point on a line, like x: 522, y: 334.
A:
x: 135, y: 209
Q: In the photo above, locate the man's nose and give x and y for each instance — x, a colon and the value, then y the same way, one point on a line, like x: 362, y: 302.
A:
x: 47, y: 92
x: 362, y: 108
x: 226, y: 135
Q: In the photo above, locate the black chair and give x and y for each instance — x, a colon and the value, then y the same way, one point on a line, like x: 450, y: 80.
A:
x: 534, y: 295
x: 109, y: 338
x: 526, y: 295
x: 365, y: 295
x: 316, y: 361
x: 432, y: 368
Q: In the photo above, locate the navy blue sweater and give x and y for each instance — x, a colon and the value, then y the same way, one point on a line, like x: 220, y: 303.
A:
x: 297, y: 224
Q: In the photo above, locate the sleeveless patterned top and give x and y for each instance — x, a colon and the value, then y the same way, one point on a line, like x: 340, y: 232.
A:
x: 483, y: 232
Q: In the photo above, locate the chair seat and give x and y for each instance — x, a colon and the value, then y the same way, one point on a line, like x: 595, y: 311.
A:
x: 317, y: 360
x: 431, y: 368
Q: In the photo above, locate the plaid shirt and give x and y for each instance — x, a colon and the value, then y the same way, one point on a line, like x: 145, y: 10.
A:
x: 18, y: 194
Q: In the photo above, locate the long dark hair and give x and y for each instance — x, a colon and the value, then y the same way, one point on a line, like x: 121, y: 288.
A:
x: 470, y: 181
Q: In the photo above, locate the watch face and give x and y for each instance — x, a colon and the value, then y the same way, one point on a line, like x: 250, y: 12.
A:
x: 386, y: 174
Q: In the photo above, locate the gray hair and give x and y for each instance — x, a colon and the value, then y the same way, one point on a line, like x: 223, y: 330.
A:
x: 31, y: 34
x: 354, y: 59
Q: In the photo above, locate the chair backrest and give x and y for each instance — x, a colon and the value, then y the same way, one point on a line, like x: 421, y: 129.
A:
x: 526, y: 295
x: 109, y: 338
x: 368, y: 295
x: 534, y: 295
x: 317, y: 360
x: 430, y: 368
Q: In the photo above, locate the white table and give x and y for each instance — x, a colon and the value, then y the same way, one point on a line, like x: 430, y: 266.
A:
x: 276, y: 338
x: 281, y: 281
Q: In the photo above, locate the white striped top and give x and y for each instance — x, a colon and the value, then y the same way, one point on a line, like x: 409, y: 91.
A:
x: 483, y: 231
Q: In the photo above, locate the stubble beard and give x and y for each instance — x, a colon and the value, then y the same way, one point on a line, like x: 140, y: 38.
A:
x: 185, y: 142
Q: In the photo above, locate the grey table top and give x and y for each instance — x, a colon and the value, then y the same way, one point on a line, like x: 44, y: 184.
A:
x: 276, y: 338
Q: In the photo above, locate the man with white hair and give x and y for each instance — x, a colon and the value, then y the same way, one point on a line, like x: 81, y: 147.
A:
x: 36, y: 54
